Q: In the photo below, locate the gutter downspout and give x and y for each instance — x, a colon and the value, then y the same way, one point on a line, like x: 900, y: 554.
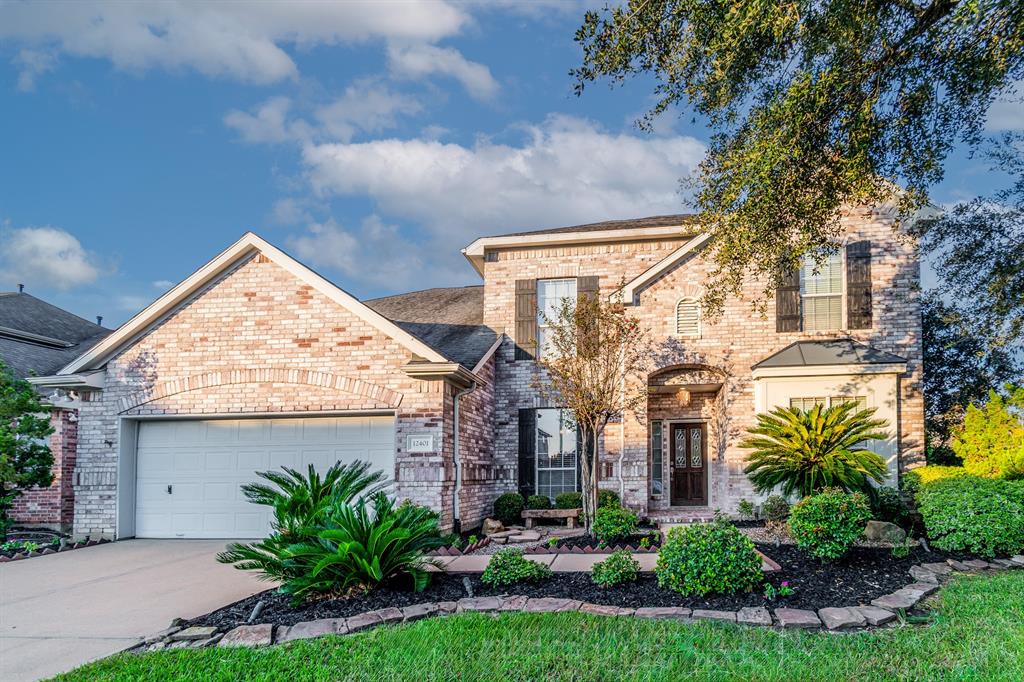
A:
x: 456, y: 511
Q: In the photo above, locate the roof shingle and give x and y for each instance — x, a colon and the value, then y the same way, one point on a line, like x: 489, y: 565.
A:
x: 21, y: 312
x: 631, y: 224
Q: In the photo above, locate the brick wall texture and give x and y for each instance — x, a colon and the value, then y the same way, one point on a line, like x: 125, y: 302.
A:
x: 54, y: 506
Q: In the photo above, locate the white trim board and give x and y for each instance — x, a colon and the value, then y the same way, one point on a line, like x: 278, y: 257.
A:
x: 246, y: 247
x: 653, y: 272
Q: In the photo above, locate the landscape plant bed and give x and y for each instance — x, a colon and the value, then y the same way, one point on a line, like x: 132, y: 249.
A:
x: 452, y: 550
x: 865, y: 574
x: 588, y: 544
x: 46, y: 545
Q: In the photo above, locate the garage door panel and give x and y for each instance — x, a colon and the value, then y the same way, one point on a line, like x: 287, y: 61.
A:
x: 207, y: 462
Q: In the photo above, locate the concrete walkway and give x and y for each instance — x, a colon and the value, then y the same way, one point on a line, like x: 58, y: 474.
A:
x: 62, y: 610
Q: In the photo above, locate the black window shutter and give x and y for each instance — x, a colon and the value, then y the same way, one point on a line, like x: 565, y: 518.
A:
x: 787, y: 303
x: 858, y: 285
x: 527, y: 452
x: 526, y: 319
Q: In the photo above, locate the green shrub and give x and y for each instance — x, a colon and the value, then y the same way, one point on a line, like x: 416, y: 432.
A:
x: 608, y: 498
x: 887, y: 505
x: 569, y: 501
x: 991, y: 439
x: 921, y: 476
x: 775, y: 508
x: 823, y: 447
x: 707, y: 558
x: 612, y: 524
x: 538, y: 502
x: 509, y: 566
x: 745, y: 509
x: 826, y: 524
x: 620, y: 567
x: 508, y: 508
x: 977, y: 515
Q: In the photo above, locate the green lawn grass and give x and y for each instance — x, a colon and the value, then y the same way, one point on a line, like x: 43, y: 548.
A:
x: 976, y: 633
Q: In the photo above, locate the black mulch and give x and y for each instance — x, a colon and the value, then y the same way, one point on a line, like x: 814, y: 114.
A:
x: 864, y: 574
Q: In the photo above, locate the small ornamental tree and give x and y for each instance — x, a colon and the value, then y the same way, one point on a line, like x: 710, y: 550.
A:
x: 594, y: 349
x: 25, y: 457
x: 991, y: 440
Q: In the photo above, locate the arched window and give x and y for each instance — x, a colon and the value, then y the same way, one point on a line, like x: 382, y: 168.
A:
x: 688, y: 317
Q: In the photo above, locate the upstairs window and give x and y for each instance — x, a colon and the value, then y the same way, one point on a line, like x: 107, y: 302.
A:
x: 550, y: 294
x: 821, y: 294
x: 688, y: 317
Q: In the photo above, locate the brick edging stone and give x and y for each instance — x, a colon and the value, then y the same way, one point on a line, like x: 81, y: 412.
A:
x: 882, y: 611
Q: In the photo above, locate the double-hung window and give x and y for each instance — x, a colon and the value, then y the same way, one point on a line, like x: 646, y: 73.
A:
x: 550, y: 294
x: 556, y: 438
x: 821, y: 293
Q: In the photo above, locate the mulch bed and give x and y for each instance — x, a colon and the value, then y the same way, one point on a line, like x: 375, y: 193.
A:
x: 864, y: 574
x: 49, y: 542
x: 588, y: 544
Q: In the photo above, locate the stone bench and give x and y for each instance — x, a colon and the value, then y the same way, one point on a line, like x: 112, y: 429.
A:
x: 570, y: 516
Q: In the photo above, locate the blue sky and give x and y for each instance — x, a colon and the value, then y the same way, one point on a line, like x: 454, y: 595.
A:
x: 373, y: 141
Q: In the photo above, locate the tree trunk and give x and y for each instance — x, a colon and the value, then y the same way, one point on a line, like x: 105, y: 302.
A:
x: 588, y: 478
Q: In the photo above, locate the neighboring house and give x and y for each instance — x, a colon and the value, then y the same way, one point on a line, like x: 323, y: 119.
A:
x: 255, y: 362
x: 37, y: 339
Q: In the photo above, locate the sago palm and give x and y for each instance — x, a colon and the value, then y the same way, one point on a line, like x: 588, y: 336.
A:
x: 822, y: 447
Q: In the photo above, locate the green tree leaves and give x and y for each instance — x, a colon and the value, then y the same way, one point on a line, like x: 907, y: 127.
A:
x: 25, y: 457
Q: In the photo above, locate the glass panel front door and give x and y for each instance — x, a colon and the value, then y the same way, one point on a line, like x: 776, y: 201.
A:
x: 689, y: 465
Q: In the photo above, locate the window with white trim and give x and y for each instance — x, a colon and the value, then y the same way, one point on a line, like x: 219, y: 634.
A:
x: 556, y: 452
x: 821, y: 293
x: 807, y: 404
x: 550, y: 294
x: 688, y: 317
x: 657, y: 459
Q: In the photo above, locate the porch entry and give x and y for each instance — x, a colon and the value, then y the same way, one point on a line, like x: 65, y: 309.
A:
x: 689, y: 464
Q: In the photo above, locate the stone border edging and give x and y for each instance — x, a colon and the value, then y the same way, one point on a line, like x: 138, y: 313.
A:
x: 883, y: 610
x: 50, y: 550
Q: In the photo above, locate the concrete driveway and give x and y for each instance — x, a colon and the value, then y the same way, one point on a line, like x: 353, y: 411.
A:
x: 62, y: 610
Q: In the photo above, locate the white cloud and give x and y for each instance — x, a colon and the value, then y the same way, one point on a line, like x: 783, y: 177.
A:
x: 567, y: 171
x: 239, y: 40
x: 46, y: 257
x: 366, y: 107
x: 419, y: 61
x: 1007, y: 113
x: 163, y: 284
x: 268, y: 123
x: 31, y: 65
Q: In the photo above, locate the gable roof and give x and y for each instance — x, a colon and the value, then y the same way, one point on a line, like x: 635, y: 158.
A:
x: 665, y: 264
x: 39, y: 338
x: 672, y: 220
x: 829, y: 352
x: 450, y: 320
x: 244, y: 248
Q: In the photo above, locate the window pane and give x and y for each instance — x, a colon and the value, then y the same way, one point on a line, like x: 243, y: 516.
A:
x: 827, y: 280
x: 821, y: 293
x: 696, y: 455
x: 860, y: 400
x: 823, y: 312
x: 657, y: 461
x: 556, y: 452
x: 550, y: 294
x: 806, y: 404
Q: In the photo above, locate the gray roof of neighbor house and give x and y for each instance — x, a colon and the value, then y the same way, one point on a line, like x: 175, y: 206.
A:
x: 39, y: 338
x: 449, y: 320
x: 829, y: 352
x: 631, y: 224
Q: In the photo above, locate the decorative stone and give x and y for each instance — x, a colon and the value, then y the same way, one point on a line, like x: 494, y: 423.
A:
x: 938, y: 568
x: 995, y: 565
x: 205, y: 643
x: 958, y: 566
x: 876, y: 616
x: 883, y: 531
x: 163, y: 634
x: 491, y: 526
x: 605, y: 610
x: 525, y: 536
x: 249, y: 635
x: 514, y: 602
x: 551, y: 605
x: 923, y: 575
x: 478, y: 604
x: 663, y: 612
x: 312, y: 628
x: 362, y: 621
x: 502, y: 534
x: 446, y: 607
x: 976, y: 564
x: 184, y: 644
x: 841, y: 618
x: 194, y: 632
x: 797, y: 618
x: 924, y: 588
x: 1018, y: 559
x: 1006, y: 563
x: 900, y: 599
x: 709, y: 614
x: 418, y: 611
x: 388, y: 615
x: 156, y: 646
x: 754, y: 615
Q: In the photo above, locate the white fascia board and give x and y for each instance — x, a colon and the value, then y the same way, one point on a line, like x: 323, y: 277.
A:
x: 245, y: 247
x: 94, y: 380
x: 489, y: 353
x: 475, y: 251
x: 830, y: 370
x: 628, y: 292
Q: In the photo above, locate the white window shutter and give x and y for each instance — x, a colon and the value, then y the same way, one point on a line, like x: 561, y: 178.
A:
x: 688, y: 317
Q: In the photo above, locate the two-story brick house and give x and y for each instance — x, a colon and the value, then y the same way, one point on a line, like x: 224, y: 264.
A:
x: 255, y: 362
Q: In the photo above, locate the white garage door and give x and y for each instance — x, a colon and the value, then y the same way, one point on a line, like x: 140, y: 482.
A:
x: 189, y: 473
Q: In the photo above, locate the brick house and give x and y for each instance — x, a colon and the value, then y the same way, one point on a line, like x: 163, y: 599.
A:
x: 37, y: 338
x: 255, y: 362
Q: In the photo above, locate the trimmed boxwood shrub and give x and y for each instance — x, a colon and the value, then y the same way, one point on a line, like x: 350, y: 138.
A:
x: 620, y: 567
x: 569, y: 501
x: 608, y: 498
x: 826, y: 524
x: 706, y: 558
x: 509, y: 566
x: 977, y: 515
x: 775, y: 508
x: 508, y: 508
x: 613, y: 523
x: 538, y: 502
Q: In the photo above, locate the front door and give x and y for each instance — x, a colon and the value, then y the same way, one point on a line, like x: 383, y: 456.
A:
x: 689, y: 465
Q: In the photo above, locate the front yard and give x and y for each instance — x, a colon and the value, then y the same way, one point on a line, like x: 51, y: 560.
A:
x: 976, y: 633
